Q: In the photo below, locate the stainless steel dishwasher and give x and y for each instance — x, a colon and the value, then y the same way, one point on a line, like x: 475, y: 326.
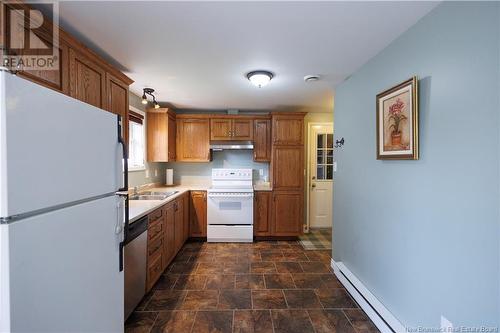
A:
x: 135, y: 253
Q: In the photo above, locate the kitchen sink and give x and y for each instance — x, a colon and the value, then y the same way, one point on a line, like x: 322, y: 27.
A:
x: 149, y: 195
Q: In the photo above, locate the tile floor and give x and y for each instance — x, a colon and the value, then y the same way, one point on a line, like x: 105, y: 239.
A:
x: 271, y: 286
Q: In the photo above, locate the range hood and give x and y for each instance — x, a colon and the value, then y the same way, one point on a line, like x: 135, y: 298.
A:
x: 230, y: 145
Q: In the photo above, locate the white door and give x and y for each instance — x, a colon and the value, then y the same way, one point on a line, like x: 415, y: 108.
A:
x: 321, y: 176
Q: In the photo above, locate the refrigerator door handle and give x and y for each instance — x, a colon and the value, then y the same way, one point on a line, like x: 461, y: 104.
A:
x: 125, y: 224
x: 121, y: 140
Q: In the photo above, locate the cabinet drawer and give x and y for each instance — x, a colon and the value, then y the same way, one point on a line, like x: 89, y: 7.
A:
x: 155, y: 247
x: 154, y: 270
x: 155, y: 228
x: 155, y: 215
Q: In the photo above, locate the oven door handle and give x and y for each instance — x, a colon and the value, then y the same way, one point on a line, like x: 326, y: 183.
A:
x: 231, y: 197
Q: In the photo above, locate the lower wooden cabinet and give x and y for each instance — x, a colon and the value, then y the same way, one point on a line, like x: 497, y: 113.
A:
x: 287, y: 213
x: 167, y: 232
x: 262, y: 214
x: 198, y: 214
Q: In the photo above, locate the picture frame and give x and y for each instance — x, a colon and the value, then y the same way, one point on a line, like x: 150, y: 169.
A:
x: 397, y: 122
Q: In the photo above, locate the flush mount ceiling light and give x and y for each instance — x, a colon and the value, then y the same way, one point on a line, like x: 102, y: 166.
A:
x: 311, y: 78
x: 149, y: 92
x: 260, y: 78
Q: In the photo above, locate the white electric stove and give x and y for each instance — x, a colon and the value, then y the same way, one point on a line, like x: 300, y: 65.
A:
x: 230, y: 206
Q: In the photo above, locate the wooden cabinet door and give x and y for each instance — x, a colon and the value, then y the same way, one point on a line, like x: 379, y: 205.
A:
x: 262, y: 214
x: 262, y: 140
x: 179, y: 223
x: 193, y: 140
x: 242, y: 129
x: 185, y: 199
x: 172, y: 150
x: 288, y: 168
x: 87, y: 80
x: 287, y: 213
x: 220, y: 129
x: 288, y: 130
x: 198, y: 214
x: 117, y: 100
x: 169, y: 249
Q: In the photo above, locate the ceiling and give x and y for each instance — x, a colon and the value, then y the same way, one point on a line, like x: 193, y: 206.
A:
x: 196, y: 54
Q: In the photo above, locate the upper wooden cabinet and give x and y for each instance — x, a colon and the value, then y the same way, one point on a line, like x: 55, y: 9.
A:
x: 262, y: 140
x: 288, y: 129
x: 87, y: 80
x: 193, y: 139
x: 231, y: 129
x: 160, y: 135
x: 288, y: 168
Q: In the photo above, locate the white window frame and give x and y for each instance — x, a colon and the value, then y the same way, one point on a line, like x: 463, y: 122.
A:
x: 143, y: 168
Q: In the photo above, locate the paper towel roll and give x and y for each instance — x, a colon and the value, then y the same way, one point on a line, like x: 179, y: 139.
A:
x: 170, y: 176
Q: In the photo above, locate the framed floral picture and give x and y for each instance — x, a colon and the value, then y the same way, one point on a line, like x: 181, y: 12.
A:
x: 397, y: 122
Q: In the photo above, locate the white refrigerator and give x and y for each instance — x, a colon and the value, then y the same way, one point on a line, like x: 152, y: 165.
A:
x: 61, y: 221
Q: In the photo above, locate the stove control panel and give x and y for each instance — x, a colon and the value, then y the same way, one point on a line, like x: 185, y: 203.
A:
x: 232, y: 174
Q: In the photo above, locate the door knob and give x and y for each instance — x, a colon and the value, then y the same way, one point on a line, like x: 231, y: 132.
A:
x: 313, y: 185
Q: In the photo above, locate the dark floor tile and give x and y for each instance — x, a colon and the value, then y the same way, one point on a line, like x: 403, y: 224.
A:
x: 182, y: 268
x: 291, y: 321
x: 202, y: 257
x: 140, y: 322
x: 235, y: 299
x: 263, y: 267
x: 250, y: 281
x: 335, y: 298
x: 331, y: 281
x: 238, y: 267
x: 302, y: 299
x: 163, y: 300
x: 326, y: 321
x: 314, y: 267
x: 272, y: 255
x: 288, y: 267
x: 308, y: 281
x: 213, y: 322
x: 174, y: 321
x: 252, y: 321
x: 220, y: 281
x: 200, y: 300
x: 209, y: 268
x: 279, y: 281
x: 291, y: 255
x: 182, y: 257
x: 190, y: 282
x: 268, y: 299
x: 360, y: 321
x: 166, y: 282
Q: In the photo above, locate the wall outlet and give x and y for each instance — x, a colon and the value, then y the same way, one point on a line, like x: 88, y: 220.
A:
x: 446, y: 325
x: 261, y: 172
x: 156, y: 172
x: 146, y: 173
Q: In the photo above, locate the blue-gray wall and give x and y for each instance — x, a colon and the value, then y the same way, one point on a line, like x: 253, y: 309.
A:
x: 423, y: 236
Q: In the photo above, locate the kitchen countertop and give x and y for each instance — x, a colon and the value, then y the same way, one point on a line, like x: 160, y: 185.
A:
x: 140, y: 208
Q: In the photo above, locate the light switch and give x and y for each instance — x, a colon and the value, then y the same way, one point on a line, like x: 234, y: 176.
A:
x: 334, y: 166
x: 146, y: 173
x: 156, y: 172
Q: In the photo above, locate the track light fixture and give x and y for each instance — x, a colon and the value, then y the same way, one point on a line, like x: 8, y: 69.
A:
x: 149, y: 92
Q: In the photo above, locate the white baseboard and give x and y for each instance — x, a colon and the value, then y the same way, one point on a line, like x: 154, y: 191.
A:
x: 376, y: 311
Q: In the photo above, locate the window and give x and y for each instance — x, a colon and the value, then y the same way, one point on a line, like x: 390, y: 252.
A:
x: 324, y: 154
x: 136, y: 139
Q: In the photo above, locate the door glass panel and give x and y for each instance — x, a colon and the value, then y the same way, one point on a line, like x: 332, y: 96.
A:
x: 329, y: 156
x: 329, y: 172
x: 321, y: 141
x: 321, y: 158
x: 329, y: 140
x: 320, y: 172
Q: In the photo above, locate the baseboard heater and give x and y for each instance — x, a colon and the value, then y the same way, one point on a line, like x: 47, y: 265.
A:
x: 376, y: 311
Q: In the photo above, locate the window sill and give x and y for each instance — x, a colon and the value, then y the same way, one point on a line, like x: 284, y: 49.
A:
x: 133, y: 169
